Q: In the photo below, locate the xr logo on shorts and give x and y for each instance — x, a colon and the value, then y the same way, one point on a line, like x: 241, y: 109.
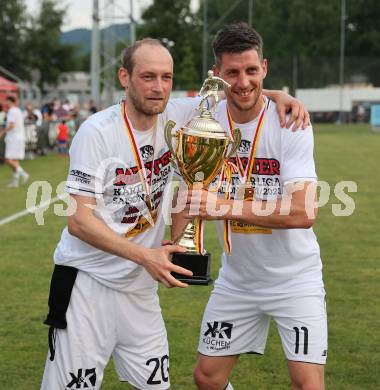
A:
x: 218, y: 336
x: 86, y: 381
x: 219, y: 329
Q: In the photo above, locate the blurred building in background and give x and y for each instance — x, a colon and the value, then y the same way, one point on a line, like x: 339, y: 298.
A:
x: 72, y: 86
x: 324, y: 104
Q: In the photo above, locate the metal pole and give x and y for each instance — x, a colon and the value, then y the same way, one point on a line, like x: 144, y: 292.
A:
x: 205, y: 40
x: 109, y: 53
x: 221, y: 19
x: 295, y: 74
x: 132, y: 24
x: 341, y: 62
x: 250, y: 12
x: 95, y: 54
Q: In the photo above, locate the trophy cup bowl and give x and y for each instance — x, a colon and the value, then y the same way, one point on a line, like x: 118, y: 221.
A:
x: 201, y: 149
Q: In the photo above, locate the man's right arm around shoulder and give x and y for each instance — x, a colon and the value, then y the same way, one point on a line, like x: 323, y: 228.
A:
x: 84, y: 225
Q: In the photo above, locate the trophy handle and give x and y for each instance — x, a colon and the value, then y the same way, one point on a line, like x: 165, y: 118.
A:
x: 168, y: 138
x: 235, y: 143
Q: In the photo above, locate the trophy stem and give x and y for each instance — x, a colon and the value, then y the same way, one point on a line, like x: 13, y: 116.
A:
x: 198, y: 263
x: 188, y: 239
x: 200, y: 151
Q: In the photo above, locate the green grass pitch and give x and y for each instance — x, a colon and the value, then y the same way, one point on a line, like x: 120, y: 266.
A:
x: 350, y: 249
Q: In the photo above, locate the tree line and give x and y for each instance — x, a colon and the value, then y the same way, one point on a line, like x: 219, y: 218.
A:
x: 301, y: 39
x: 30, y: 47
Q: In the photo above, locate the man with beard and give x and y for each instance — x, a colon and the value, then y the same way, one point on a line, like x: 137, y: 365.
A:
x: 103, y: 296
x: 110, y: 254
x: 271, y: 265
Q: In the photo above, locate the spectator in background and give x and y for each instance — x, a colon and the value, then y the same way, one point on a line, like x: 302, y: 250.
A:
x: 63, y: 137
x: 61, y: 111
x: 43, y: 132
x: 48, y: 111
x: 2, y: 116
x: 67, y: 106
x: 72, y: 124
x: 2, y: 124
x: 360, y: 113
x: 14, y: 142
x: 32, y: 123
x: 56, y: 103
x: 32, y: 115
x: 92, y: 109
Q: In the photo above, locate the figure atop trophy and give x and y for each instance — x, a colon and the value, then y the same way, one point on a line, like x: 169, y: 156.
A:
x: 209, y: 92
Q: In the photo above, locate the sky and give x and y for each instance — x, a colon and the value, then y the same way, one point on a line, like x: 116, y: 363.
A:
x: 79, y: 11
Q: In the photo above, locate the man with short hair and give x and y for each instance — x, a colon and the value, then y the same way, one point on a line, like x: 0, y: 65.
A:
x: 271, y: 266
x: 110, y: 255
x: 103, y: 297
x: 14, y: 142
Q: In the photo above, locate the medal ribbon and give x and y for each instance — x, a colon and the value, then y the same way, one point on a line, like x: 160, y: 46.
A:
x: 136, y: 153
x: 245, y: 176
x: 228, y: 170
x: 232, y: 126
x: 199, y: 236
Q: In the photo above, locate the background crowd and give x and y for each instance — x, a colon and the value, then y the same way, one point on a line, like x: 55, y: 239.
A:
x: 49, y: 128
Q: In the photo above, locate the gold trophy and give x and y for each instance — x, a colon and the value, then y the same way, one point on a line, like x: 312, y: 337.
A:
x: 202, y: 147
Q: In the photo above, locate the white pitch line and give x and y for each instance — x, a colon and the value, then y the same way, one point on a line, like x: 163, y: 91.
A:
x: 31, y: 210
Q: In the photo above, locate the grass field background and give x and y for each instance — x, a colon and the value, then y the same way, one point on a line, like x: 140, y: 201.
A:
x: 350, y: 248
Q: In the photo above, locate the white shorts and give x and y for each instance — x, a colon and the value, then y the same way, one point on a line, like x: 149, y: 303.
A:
x: 102, y: 322
x: 234, y: 323
x: 14, y: 149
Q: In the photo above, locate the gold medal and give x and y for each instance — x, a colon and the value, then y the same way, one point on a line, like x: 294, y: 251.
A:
x: 248, y: 193
x: 149, y: 203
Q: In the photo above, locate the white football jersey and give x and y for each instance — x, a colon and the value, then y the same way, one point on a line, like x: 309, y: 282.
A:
x: 102, y: 165
x: 16, y: 117
x: 273, y: 259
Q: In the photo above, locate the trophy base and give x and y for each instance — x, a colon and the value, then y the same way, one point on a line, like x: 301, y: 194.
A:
x: 198, y: 264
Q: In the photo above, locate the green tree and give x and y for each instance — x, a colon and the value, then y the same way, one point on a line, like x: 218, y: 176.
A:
x: 302, y: 38
x: 174, y: 24
x: 292, y: 30
x: 363, y: 40
x: 186, y: 76
x: 363, y: 33
x: 13, y: 27
x: 219, y: 13
x: 48, y: 54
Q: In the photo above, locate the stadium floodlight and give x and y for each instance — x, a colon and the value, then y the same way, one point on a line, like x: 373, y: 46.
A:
x: 217, y: 24
x: 250, y: 12
x: 105, y: 14
x: 205, y: 40
x: 95, y: 54
x: 132, y: 23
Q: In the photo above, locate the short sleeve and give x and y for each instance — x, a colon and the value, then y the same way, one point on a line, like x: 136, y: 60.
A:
x: 181, y: 110
x: 11, y: 117
x: 298, y: 160
x: 87, y: 155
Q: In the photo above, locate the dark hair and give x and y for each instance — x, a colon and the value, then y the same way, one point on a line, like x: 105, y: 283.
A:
x: 127, y: 54
x: 11, y: 99
x: 236, y: 38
